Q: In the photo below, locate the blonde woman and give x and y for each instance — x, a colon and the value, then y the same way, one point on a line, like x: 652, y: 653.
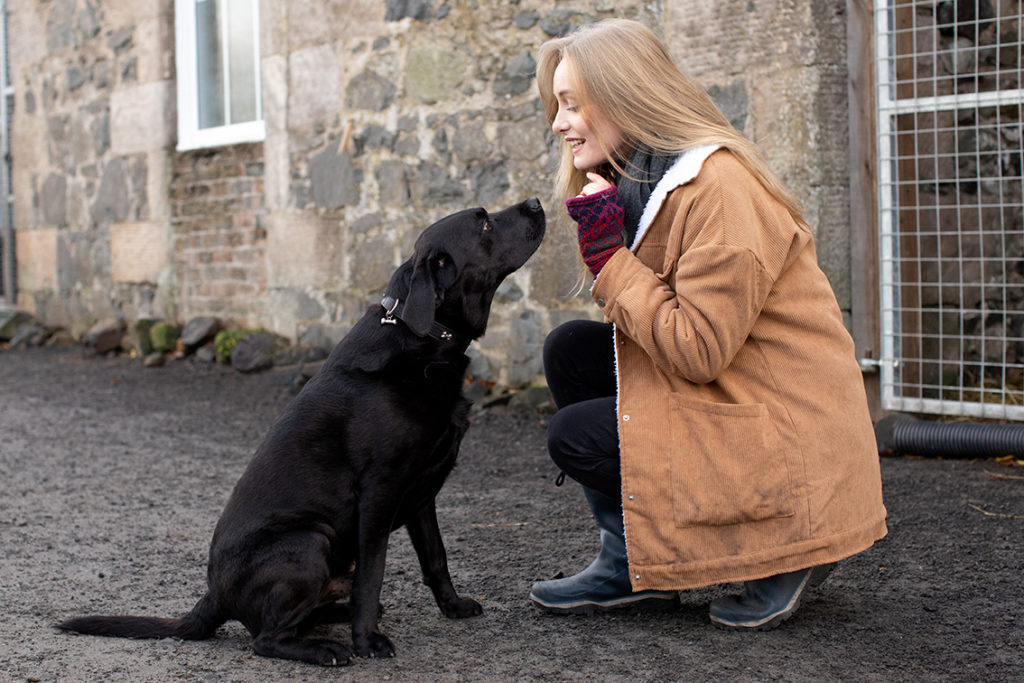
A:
x: 717, y: 420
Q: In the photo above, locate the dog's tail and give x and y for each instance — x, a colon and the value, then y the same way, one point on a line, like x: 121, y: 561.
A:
x: 198, y: 624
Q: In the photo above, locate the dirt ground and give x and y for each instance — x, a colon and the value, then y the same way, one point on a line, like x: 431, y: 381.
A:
x: 114, y: 476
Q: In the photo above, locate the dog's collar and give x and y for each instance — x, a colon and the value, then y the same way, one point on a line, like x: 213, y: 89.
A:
x: 393, y: 313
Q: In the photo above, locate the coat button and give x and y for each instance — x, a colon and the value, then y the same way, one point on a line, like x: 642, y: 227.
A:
x: 625, y: 418
x: 600, y: 302
x: 630, y: 496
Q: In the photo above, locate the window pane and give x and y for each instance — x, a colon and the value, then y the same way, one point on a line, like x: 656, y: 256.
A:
x: 209, y: 74
x: 242, y: 61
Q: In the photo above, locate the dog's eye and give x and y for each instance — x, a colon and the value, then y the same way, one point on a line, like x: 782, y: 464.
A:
x: 487, y: 226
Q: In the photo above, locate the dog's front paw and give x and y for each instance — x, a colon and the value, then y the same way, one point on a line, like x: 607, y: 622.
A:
x: 373, y: 644
x: 460, y: 608
x: 331, y: 653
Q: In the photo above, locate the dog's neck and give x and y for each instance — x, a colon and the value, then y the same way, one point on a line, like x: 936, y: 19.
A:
x: 393, y: 308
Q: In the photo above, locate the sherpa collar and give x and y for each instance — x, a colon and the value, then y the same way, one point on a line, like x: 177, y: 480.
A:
x: 685, y: 169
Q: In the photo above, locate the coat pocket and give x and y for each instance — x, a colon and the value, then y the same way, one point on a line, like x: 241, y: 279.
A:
x: 728, y: 465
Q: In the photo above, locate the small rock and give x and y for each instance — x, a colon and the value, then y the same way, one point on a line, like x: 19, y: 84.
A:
x: 10, y: 321
x: 206, y: 354
x: 155, y: 360
x: 532, y: 398
x: 105, y: 335
x: 199, y: 331
x: 28, y: 335
x: 257, y: 351
x: 475, y: 391
x: 61, y: 339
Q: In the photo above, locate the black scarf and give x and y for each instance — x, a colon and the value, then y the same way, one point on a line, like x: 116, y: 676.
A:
x: 647, y: 167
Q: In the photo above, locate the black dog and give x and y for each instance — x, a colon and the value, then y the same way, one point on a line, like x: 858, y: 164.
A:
x: 362, y: 450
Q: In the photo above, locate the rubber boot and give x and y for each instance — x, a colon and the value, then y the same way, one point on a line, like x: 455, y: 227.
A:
x: 604, y: 585
x: 766, y: 603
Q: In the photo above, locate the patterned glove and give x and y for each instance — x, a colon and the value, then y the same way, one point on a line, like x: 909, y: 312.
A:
x: 599, y: 226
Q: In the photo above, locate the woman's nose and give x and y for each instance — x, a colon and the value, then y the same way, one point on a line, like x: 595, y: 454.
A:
x: 559, y: 125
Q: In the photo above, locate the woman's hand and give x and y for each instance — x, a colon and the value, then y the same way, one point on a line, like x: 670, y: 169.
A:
x: 598, y: 213
x: 597, y: 184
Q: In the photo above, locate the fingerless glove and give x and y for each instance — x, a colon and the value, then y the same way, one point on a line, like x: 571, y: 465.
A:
x: 599, y: 226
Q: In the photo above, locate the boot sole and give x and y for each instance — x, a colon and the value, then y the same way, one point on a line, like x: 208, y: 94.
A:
x: 816, y: 578
x: 769, y: 625
x: 641, y: 604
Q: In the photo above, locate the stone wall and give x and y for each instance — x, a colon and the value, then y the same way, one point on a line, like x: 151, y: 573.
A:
x: 91, y: 130
x: 381, y: 116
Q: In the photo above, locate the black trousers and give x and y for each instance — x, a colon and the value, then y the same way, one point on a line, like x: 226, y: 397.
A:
x: 583, y: 435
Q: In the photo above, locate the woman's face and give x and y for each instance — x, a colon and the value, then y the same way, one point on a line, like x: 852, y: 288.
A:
x: 586, y: 151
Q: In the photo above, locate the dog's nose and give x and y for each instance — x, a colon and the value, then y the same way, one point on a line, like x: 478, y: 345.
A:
x: 533, y: 204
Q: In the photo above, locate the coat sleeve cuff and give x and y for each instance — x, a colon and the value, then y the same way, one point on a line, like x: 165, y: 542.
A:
x: 605, y: 286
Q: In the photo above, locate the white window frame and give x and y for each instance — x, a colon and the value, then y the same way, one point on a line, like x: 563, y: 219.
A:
x: 190, y: 136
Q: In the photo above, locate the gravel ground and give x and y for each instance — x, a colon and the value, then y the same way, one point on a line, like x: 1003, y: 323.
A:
x: 114, y: 476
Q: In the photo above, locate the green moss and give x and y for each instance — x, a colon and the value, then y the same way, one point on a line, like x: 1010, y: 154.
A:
x: 227, y: 340
x: 164, y: 336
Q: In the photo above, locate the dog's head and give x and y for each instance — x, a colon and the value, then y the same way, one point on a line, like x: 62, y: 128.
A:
x: 458, y: 264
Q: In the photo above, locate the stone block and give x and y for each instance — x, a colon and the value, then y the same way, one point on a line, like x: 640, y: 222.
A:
x: 141, y: 118
x: 304, y: 250
x: 312, y: 22
x: 517, y: 77
x: 156, y: 32
x: 54, y: 200
x: 125, y: 13
x: 138, y: 252
x: 276, y: 177
x: 433, y: 73
x: 158, y: 180
x: 25, y: 25
x: 36, y: 253
x: 372, y: 270
x: 336, y: 181
x: 370, y: 90
x: 314, y: 93
x: 113, y: 198
x: 521, y: 140
x: 274, y: 86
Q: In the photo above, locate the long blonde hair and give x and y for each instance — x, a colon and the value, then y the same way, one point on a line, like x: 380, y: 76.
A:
x: 622, y: 70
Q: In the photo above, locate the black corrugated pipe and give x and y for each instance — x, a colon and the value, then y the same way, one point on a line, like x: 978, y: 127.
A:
x: 905, y: 435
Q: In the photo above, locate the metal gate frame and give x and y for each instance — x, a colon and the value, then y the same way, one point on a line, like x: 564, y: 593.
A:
x: 918, y: 395
x: 8, y: 276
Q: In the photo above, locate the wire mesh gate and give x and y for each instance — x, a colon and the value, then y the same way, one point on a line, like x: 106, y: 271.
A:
x: 951, y: 205
x: 7, y: 260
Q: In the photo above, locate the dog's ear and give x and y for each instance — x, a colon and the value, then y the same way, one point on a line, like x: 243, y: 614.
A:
x: 421, y: 299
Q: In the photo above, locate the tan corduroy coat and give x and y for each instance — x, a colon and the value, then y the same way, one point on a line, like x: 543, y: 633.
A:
x: 747, y: 449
